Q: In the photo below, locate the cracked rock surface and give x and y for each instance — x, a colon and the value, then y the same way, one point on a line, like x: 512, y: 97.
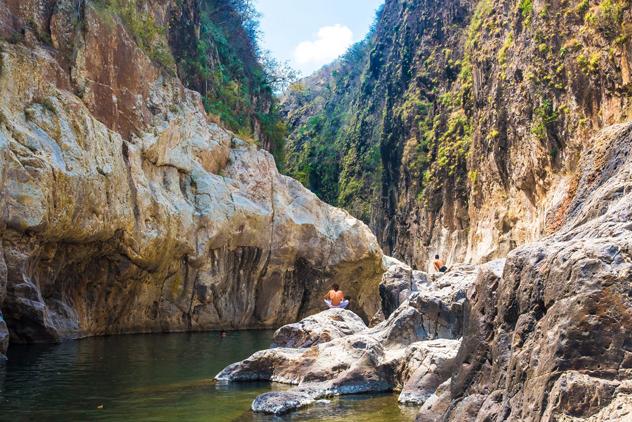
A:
x: 318, y: 328
x: 548, y: 339
x: 404, y: 353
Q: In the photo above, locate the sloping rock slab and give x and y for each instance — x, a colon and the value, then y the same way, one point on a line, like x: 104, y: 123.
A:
x: 426, y: 365
x: 549, y: 338
x: 319, y: 328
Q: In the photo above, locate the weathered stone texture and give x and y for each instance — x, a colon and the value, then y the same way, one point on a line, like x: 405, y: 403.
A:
x: 123, y: 209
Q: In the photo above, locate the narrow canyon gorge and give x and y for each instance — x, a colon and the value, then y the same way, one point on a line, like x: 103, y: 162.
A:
x: 152, y: 180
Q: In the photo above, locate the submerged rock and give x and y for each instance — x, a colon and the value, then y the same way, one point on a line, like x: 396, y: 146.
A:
x: 281, y: 402
x: 319, y: 328
x: 4, y: 338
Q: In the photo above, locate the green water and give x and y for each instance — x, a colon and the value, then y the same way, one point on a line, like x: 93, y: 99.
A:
x: 166, y: 377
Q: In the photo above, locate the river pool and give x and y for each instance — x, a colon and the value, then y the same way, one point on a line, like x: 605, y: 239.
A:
x: 156, y: 377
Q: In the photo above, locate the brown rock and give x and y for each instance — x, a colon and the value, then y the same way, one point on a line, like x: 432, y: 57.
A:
x: 548, y: 339
x: 126, y: 211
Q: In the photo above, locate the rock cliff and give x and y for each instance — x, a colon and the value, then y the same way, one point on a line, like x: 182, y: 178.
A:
x: 124, y: 209
x: 456, y: 126
x: 548, y: 338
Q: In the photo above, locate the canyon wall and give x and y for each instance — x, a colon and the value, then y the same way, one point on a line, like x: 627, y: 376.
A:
x: 542, y: 335
x: 456, y: 127
x: 124, y: 209
x: 547, y: 340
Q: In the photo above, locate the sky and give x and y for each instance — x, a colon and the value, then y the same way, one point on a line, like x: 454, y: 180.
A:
x: 311, y: 33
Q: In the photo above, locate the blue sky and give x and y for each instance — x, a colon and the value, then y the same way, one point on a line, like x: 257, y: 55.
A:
x: 311, y: 33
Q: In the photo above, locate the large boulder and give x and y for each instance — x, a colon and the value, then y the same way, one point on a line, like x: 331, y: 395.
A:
x: 319, y: 328
x: 399, y: 281
x: 359, y: 363
x: 402, y: 353
x: 442, y: 299
x: 396, y: 282
x: 426, y: 365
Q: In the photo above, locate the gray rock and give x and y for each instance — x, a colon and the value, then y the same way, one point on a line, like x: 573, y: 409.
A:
x: 436, y: 405
x: 548, y: 338
x: 319, y: 328
x: 393, y: 355
x: 278, y: 403
x: 441, y: 302
x: 398, y: 283
x: 426, y: 365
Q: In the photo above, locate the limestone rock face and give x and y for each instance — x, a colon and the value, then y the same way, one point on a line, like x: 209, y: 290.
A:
x: 548, y: 338
x: 319, y: 328
x: 123, y: 209
x: 412, y: 352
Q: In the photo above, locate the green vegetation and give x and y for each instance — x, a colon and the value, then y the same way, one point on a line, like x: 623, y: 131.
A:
x: 318, y: 165
x: 526, y: 10
x: 544, y: 117
x: 229, y: 88
x: 472, y: 176
x: 589, y: 63
x: 502, y: 54
x: 454, y: 143
x: 236, y: 79
x: 483, y: 9
x: 406, y: 125
x: 582, y: 7
x: 218, y: 57
x: 608, y: 17
x: 326, y: 151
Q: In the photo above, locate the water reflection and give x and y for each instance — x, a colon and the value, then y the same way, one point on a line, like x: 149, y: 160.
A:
x: 155, y: 378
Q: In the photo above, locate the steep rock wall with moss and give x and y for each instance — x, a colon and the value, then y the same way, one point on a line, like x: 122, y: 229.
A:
x: 457, y: 129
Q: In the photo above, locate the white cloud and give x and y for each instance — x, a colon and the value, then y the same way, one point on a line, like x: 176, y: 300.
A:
x: 331, y: 42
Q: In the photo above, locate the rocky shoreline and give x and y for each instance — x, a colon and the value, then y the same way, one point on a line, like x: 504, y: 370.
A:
x: 412, y: 351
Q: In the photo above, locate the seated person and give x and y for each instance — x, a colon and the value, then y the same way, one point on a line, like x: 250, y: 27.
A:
x: 335, y: 298
x: 439, y: 265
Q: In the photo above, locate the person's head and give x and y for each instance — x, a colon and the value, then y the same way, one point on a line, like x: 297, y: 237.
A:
x: 436, y: 256
x: 336, y: 287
